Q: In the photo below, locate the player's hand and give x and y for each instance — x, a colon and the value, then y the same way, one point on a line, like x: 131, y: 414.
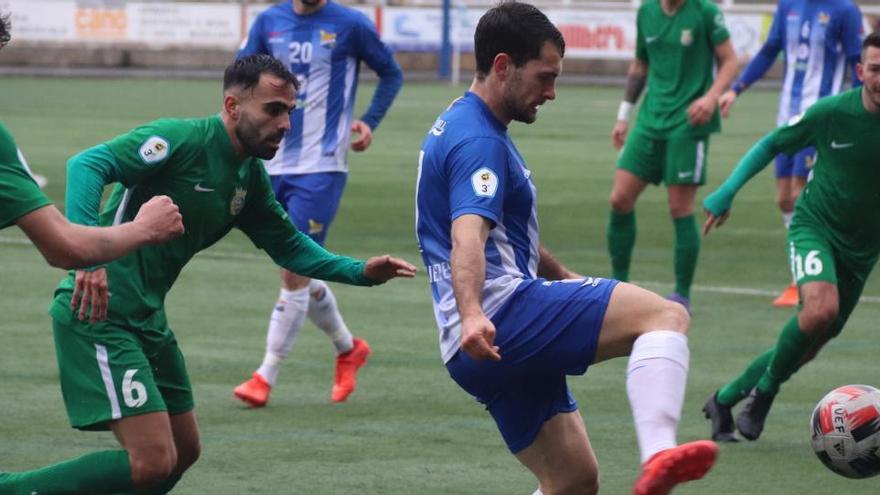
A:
x: 363, y: 133
x: 383, y: 268
x: 161, y: 218
x: 701, y: 110
x: 725, y: 103
x: 478, y: 338
x: 90, y: 295
x: 618, y: 134
x: 712, y: 220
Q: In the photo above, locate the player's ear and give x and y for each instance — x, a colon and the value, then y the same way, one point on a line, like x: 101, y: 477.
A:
x: 502, y: 65
x: 231, y: 105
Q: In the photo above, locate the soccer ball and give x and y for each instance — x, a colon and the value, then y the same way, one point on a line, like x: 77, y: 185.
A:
x: 846, y: 431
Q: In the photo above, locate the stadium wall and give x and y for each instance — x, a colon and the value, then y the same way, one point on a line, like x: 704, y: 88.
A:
x: 600, y: 38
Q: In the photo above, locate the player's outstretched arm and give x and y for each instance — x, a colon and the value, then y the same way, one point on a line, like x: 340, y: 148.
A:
x: 717, y: 205
x: 636, y: 77
x: 383, y: 268
x: 68, y: 246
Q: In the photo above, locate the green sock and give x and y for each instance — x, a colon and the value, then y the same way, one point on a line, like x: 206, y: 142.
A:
x: 621, y: 239
x: 96, y: 473
x: 793, y: 344
x: 740, y: 387
x: 687, y: 249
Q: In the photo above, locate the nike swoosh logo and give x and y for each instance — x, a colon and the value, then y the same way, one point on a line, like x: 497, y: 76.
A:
x: 837, y: 146
x: 199, y: 188
x: 651, y: 39
x: 682, y: 175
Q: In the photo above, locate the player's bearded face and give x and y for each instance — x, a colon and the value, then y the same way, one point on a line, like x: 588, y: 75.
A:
x: 256, y: 139
x: 531, y: 85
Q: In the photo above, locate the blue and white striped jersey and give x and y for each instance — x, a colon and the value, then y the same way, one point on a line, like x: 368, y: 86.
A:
x: 324, y: 49
x: 817, y: 38
x: 469, y: 165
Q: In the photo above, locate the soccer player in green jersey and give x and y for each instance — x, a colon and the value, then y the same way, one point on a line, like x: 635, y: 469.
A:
x: 62, y: 243
x: 119, y: 362
x: 834, y: 238
x: 677, y: 43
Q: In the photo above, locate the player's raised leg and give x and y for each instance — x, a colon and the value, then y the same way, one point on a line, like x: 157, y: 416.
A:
x: 653, y: 332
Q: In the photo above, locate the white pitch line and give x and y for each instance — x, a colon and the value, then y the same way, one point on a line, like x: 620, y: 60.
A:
x: 741, y: 291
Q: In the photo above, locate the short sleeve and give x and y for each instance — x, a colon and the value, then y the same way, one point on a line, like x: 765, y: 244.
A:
x: 143, y: 151
x: 715, y: 24
x: 477, y: 170
x: 19, y: 194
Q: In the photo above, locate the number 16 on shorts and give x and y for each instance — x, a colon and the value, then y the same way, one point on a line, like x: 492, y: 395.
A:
x: 809, y: 264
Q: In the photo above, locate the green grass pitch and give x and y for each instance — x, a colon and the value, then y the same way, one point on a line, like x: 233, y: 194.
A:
x: 409, y: 429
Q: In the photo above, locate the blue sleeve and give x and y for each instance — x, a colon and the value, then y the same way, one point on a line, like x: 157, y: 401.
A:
x: 255, y: 42
x: 379, y: 58
x: 851, y: 39
x: 477, y: 171
x: 765, y: 57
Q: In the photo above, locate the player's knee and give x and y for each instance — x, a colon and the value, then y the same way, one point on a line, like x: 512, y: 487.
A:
x: 621, y: 203
x: 817, y: 318
x: 155, y: 466
x: 673, y: 316
x: 785, y: 203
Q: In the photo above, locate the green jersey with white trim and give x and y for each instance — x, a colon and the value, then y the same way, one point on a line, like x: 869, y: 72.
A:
x: 193, y: 162
x: 680, y: 52
x: 19, y: 194
x: 843, y: 195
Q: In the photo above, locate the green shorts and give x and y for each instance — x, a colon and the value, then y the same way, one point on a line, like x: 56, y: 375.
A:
x: 814, y: 258
x: 676, y: 161
x: 110, y: 372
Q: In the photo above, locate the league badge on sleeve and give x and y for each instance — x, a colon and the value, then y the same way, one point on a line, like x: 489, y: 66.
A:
x: 485, y: 183
x: 154, y: 150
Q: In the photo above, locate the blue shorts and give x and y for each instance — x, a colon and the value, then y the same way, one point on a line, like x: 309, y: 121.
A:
x: 545, y: 331
x: 796, y: 165
x: 311, y: 200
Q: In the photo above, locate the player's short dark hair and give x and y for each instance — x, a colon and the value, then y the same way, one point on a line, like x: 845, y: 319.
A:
x: 517, y: 29
x: 872, y: 39
x: 5, y: 29
x: 245, y: 72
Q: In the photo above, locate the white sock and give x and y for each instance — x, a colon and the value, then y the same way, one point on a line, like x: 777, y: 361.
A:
x: 284, y: 325
x: 324, y: 313
x: 538, y: 492
x: 655, y: 383
x: 786, y: 218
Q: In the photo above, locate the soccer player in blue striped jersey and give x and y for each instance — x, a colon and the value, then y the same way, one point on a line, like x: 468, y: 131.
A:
x: 513, y: 321
x: 323, y: 43
x: 819, y: 39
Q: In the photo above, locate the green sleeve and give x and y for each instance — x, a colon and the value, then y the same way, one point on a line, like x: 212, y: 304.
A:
x: 87, y: 174
x: 19, y: 194
x: 753, y: 162
x: 266, y: 223
x: 715, y: 24
x: 792, y: 137
x: 142, y: 152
